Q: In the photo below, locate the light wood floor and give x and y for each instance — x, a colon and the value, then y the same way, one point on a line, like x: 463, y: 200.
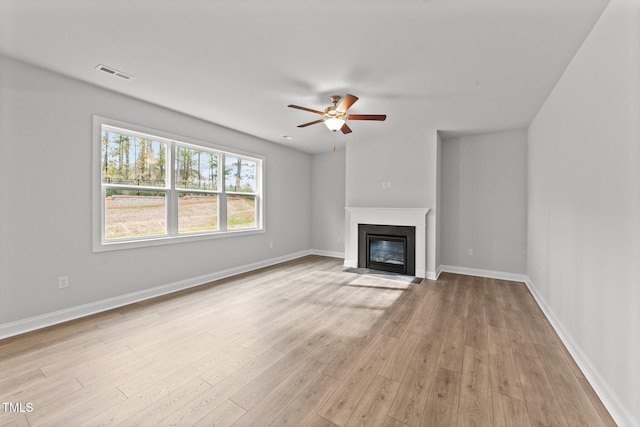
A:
x: 305, y: 343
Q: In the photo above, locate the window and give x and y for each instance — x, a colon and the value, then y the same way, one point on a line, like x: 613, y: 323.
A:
x: 155, y: 188
x: 198, y: 189
x: 240, y: 186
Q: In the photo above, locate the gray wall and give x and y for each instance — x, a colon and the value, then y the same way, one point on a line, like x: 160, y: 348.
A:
x: 409, y: 163
x: 584, y: 207
x: 328, y: 202
x: 484, y: 202
x: 45, y: 198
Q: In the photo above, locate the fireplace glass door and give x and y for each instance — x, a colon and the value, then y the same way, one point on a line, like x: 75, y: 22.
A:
x: 387, y: 253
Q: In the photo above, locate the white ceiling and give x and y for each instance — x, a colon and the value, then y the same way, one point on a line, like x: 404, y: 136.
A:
x: 461, y: 66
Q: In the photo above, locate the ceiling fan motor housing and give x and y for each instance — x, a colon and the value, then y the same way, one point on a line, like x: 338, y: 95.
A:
x: 332, y: 109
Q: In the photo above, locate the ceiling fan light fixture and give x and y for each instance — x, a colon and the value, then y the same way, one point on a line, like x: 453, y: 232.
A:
x: 334, y: 123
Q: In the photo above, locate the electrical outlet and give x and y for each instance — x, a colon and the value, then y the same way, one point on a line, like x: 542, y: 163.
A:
x: 469, y: 251
x: 270, y: 245
x: 63, y: 282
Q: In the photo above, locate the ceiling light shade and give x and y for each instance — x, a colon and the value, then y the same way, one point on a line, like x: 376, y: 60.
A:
x: 334, y: 123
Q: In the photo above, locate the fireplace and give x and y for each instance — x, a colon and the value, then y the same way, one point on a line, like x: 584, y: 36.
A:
x: 387, y: 247
x: 411, y: 217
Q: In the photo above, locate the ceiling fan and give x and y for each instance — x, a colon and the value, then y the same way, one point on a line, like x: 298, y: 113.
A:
x: 336, y: 117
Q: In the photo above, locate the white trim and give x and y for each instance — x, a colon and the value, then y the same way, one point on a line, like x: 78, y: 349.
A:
x: 433, y: 275
x: 407, y: 215
x: 610, y: 400
x: 331, y: 254
x: 514, y: 277
x: 350, y: 263
x: 438, y: 272
x: 48, y: 319
x: 181, y: 238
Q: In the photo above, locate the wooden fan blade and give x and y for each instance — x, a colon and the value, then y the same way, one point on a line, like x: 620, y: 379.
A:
x: 345, y: 129
x: 378, y: 117
x: 346, y: 103
x: 305, y: 109
x: 311, y: 123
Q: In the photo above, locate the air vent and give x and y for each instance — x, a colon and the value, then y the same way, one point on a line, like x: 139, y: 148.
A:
x: 113, y: 72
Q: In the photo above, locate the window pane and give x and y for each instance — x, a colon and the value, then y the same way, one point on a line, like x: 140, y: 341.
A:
x: 132, y: 213
x: 132, y: 160
x: 196, y: 169
x: 240, y: 175
x: 197, y: 212
x: 241, y: 211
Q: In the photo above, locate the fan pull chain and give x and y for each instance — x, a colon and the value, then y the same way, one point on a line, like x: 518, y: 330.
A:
x: 334, y: 141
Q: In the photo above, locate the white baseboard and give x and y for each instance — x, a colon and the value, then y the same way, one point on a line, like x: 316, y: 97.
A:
x: 331, y: 254
x: 617, y: 410
x: 514, y: 277
x: 432, y: 275
x: 48, y: 319
x: 349, y: 263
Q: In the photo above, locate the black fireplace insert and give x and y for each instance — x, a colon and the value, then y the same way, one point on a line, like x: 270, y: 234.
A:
x: 387, y: 248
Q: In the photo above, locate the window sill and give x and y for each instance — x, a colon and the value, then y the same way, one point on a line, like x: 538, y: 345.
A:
x: 170, y: 240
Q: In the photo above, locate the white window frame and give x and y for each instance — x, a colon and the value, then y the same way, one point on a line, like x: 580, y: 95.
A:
x: 100, y: 243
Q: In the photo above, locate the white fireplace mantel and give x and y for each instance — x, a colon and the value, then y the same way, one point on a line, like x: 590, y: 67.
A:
x: 416, y: 217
